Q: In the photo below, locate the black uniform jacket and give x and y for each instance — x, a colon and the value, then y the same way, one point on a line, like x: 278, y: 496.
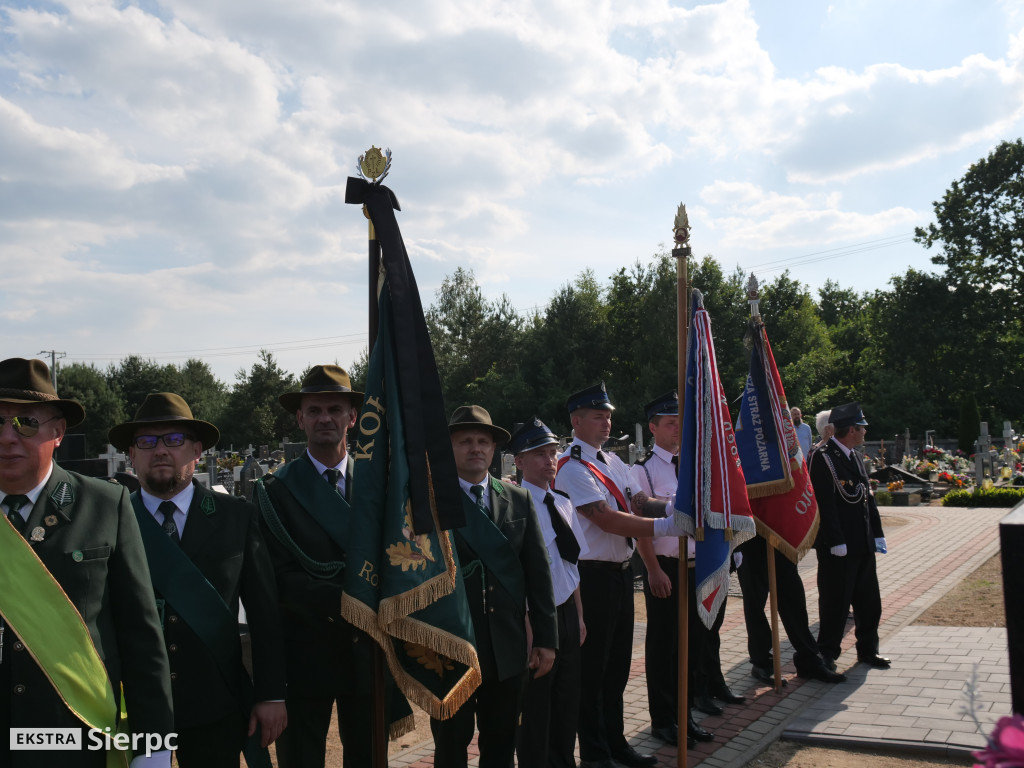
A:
x: 848, y: 512
x: 319, y: 644
x: 222, y: 538
x: 501, y: 619
x: 93, y: 549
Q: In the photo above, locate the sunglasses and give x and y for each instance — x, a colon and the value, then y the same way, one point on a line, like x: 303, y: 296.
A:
x: 26, y: 426
x: 171, y: 440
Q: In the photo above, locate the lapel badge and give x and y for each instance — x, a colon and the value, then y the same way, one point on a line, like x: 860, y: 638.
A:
x: 50, y: 521
x: 38, y: 533
x: 62, y: 495
x: 77, y: 555
x: 208, y: 506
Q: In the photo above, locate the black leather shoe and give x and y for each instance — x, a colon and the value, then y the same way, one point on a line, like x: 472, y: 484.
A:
x: 765, y: 675
x: 706, y: 704
x: 828, y: 662
x: 690, y: 742
x: 694, y: 731
x: 669, y: 734
x: 876, y: 661
x: 723, y: 693
x: 822, y: 673
x: 598, y: 764
x: 630, y: 757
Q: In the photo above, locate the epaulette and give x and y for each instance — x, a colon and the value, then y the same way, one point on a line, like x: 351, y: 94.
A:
x: 645, y: 459
x: 576, y: 453
x: 560, y: 493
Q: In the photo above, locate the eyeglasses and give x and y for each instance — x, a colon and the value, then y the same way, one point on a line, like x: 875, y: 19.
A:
x: 171, y: 440
x: 26, y: 426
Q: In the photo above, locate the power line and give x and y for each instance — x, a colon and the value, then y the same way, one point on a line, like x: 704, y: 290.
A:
x: 236, y: 351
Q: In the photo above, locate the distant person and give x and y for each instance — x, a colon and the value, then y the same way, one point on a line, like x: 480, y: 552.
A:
x: 505, y: 568
x: 849, y: 535
x: 598, y: 484
x: 305, y: 517
x: 657, y: 474
x: 825, y: 432
x: 205, y: 553
x: 803, y: 431
x: 73, y: 560
x: 547, y: 732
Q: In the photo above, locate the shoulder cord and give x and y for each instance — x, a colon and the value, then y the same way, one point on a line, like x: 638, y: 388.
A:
x: 320, y: 570
x: 852, y: 498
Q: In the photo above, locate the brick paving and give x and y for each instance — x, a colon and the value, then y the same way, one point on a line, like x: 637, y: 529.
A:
x: 918, y: 705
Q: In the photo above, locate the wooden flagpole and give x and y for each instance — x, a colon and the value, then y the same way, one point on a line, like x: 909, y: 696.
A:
x: 753, y: 300
x: 681, y: 253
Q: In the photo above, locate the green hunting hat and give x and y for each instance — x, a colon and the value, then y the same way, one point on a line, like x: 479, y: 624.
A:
x: 327, y: 379
x: 28, y: 381
x: 163, y: 408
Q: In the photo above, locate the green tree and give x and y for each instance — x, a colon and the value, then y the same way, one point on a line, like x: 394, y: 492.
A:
x: 475, y: 341
x: 253, y: 414
x: 134, y: 378
x: 980, y: 226
x: 970, y: 423
x: 568, y: 350
x: 206, y: 395
x: 103, y: 409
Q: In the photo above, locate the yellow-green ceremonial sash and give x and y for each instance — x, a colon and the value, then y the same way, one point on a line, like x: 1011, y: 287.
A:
x: 53, y: 632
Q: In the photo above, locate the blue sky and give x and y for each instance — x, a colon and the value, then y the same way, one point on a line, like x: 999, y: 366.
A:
x: 172, y: 173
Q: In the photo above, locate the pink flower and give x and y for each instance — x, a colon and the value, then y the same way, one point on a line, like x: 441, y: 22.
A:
x: 1005, y: 747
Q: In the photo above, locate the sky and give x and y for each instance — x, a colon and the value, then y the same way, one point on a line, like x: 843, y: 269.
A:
x: 172, y: 173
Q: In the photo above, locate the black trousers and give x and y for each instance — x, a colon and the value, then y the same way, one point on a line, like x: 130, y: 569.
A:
x: 705, y: 646
x: 212, y: 745
x: 493, y: 709
x: 607, y: 593
x: 661, y: 648
x: 753, y: 576
x: 844, y: 582
x: 547, y: 729
x: 303, y: 744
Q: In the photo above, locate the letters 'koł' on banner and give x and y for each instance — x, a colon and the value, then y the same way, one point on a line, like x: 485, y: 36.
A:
x: 403, y: 587
x: 712, y: 494
x: 781, y: 496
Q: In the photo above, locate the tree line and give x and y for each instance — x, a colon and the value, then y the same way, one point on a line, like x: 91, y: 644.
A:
x: 931, y: 351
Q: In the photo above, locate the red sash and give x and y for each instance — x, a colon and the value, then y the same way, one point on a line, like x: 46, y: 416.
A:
x: 613, y: 489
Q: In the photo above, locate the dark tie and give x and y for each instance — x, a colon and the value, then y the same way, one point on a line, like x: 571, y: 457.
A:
x: 601, y: 457
x: 167, y: 509
x: 478, y: 494
x: 333, y: 475
x: 565, y: 539
x: 675, y: 462
x: 15, y: 502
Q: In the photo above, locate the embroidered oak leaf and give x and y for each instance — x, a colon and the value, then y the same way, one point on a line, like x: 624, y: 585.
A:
x: 401, y: 553
x: 431, y: 660
x: 415, y: 551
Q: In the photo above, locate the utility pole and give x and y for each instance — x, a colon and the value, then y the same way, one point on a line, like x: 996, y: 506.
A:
x: 54, y: 357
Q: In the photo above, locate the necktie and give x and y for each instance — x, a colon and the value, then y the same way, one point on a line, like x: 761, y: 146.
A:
x: 478, y: 494
x: 167, y: 509
x: 675, y: 463
x: 333, y: 475
x: 15, y: 502
x: 601, y: 457
x: 565, y: 539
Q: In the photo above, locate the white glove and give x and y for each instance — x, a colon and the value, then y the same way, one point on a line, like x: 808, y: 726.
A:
x: 737, y: 559
x: 666, y: 526
x: 159, y: 759
x: 880, y: 547
x: 839, y: 550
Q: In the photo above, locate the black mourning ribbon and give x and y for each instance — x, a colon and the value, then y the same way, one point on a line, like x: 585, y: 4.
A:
x: 565, y: 539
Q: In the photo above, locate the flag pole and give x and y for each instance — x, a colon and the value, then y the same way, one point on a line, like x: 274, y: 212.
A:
x: 374, y: 166
x: 681, y: 253
x: 753, y: 299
